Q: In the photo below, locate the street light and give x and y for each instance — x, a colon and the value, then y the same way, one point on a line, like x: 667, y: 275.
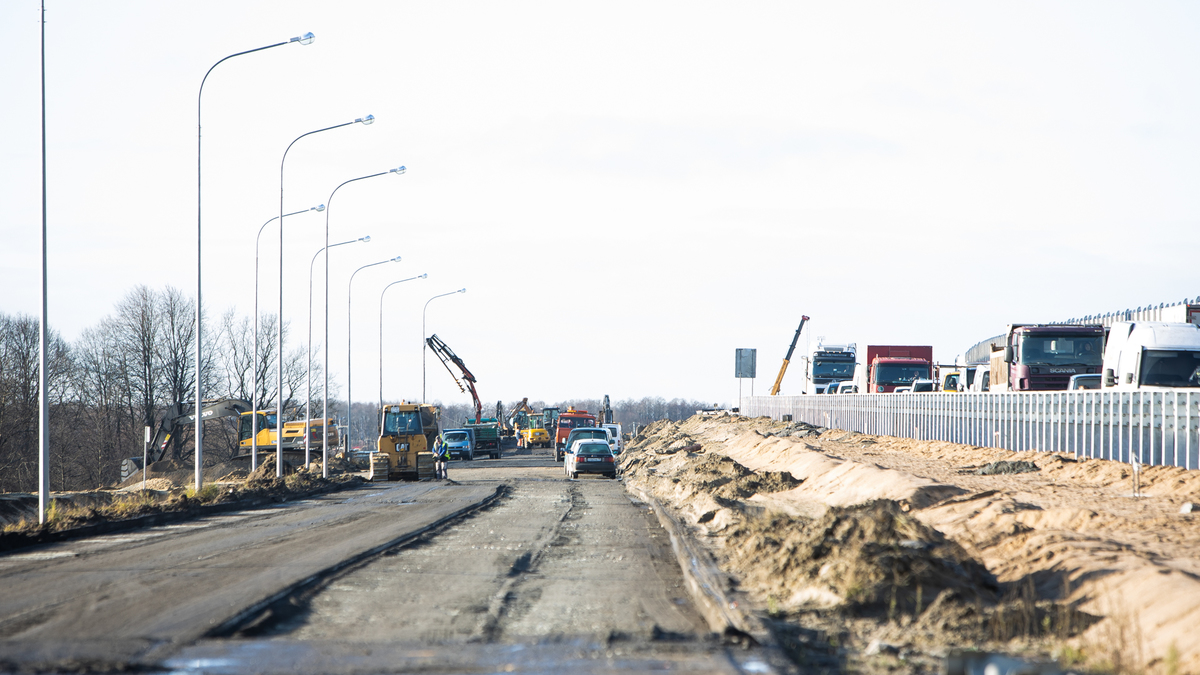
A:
x: 305, y: 39
x: 381, y: 331
x: 350, y: 350
x: 308, y: 353
x: 461, y: 290
x: 254, y: 363
x: 325, y: 361
x: 279, y: 324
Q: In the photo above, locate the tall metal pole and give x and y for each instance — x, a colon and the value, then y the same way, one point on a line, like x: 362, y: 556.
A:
x: 350, y: 349
x: 325, y: 360
x: 43, y: 376
x: 305, y: 39
x: 279, y: 319
x: 461, y: 290
x: 381, y: 293
x: 254, y: 361
x: 308, y: 355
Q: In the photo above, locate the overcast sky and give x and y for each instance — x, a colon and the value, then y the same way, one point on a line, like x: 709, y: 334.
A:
x: 628, y: 190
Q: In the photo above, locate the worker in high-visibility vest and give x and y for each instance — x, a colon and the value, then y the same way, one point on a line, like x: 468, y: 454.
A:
x: 441, y: 454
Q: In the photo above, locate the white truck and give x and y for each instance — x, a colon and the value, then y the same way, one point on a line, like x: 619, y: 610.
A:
x: 1143, y: 355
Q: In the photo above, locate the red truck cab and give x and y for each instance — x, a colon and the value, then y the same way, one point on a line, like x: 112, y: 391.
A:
x: 891, y: 366
x: 571, y: 419
x: 1043, y: 357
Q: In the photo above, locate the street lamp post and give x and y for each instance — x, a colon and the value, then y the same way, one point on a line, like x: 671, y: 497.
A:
x: 279, y: 323
x: 350, y: 349
x: 461, y: 290
x: 254, y: 363
x: 305, y: 39
x: 308, y: 354
x: 385, y: 288
x: 325, y: 361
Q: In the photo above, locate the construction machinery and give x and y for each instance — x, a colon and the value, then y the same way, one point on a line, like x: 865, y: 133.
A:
x: 405, y: 448
x: 447, y: 357
x: 534, y: 434
x: 180, y: 415
x: 293, y: 436
x: 506, y: 426
x: 788, y: 358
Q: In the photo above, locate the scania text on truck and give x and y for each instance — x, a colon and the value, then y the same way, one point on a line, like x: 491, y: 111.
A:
x: 1043, y: 357
x: 891, y: 366
x: 1144, y: 355
x: 830, y: 363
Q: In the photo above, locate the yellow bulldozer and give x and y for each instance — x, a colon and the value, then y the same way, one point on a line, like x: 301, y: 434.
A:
x: 406, y: 435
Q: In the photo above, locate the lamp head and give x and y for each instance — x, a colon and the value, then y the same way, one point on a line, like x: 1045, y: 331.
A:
x: 318, y: 208
x: 396, y: 259
x: 399, y: 170
x: 423, y: 276
x: 306, y: 39
x: 461, y: 290
x: 366, y: 238
x: 365, y: 120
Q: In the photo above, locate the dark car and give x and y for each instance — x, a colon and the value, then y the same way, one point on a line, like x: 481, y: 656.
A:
x: 590, y: 456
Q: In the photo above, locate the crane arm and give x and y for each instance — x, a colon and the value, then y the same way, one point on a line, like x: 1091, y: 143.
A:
x: 447, y: 356
x: 788, y: 358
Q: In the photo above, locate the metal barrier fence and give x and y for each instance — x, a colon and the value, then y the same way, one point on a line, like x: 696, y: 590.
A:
x: 1159, y: 427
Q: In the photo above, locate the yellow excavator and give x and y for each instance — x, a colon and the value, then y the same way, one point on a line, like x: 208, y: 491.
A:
x: 406, y: 436
x: 788, y: 358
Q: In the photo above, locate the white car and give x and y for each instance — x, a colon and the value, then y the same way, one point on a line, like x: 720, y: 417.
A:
x: 590, y: 456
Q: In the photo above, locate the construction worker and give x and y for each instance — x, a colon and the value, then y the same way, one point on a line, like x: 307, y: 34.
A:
x: 441, y: 454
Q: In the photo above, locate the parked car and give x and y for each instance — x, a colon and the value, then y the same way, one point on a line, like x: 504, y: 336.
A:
x: 983, y: 379
x: 902, y: 390
x: 596, y: 433
x: 460, y: 442
x: 590, y: 456
x: 1085, y: 381
x: 923, y: 386
x: 614, y: 431
x: 846, y: 388
x: 832, y: 387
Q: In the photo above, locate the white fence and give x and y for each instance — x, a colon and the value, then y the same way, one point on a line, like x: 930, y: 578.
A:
x: 1159, y: 427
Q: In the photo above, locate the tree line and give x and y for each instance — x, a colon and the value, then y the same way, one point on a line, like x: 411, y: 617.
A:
x: 119, y: 377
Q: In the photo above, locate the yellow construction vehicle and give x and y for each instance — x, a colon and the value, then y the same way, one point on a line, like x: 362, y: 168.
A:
x: 405, y: 449
x: 293, y: 436
x: 534, y: 434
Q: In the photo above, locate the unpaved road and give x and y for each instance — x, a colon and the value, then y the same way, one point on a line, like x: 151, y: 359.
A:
x: 553, y: 575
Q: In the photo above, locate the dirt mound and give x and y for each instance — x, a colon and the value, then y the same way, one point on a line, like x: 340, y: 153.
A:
x: 266, y: 470
x: 722, y: 477
x: 869, y: 558
x: 181, y: 473
x: 1005, y: 467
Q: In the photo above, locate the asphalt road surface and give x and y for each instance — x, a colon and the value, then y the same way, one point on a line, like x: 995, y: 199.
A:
x: 513, y: 568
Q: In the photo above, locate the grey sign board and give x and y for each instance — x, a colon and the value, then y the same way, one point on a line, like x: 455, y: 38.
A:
x: 746, y: 363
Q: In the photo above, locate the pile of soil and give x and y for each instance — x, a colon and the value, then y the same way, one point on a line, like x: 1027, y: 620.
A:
x: 1004, y: 467
x: 833, y: 568
x: 182, y: 473
x: 868, y: 559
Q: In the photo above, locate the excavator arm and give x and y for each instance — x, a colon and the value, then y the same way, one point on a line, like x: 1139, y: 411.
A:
x: 788, y: 358
x: 183, y: 414
x: 447, y: 356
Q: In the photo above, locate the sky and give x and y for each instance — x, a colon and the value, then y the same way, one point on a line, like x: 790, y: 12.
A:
x: 629, y: 191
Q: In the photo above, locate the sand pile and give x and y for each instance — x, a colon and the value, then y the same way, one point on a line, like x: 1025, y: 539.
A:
x: 869, y: 558
x: 1064, y: 536
x: 182, y: 473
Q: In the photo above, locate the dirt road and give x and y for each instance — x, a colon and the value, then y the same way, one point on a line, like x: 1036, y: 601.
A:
x: 551, y: 575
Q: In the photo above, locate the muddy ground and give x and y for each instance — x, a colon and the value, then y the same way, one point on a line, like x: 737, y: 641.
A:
x: 168, y: 490
x: 886, y: 553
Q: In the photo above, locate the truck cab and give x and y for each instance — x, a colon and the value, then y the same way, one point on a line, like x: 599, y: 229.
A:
x: 1151, y: 355
x: 571, y: 419
x: 1043, y: 357
x: 830, y: 363
x: 892, y: 366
